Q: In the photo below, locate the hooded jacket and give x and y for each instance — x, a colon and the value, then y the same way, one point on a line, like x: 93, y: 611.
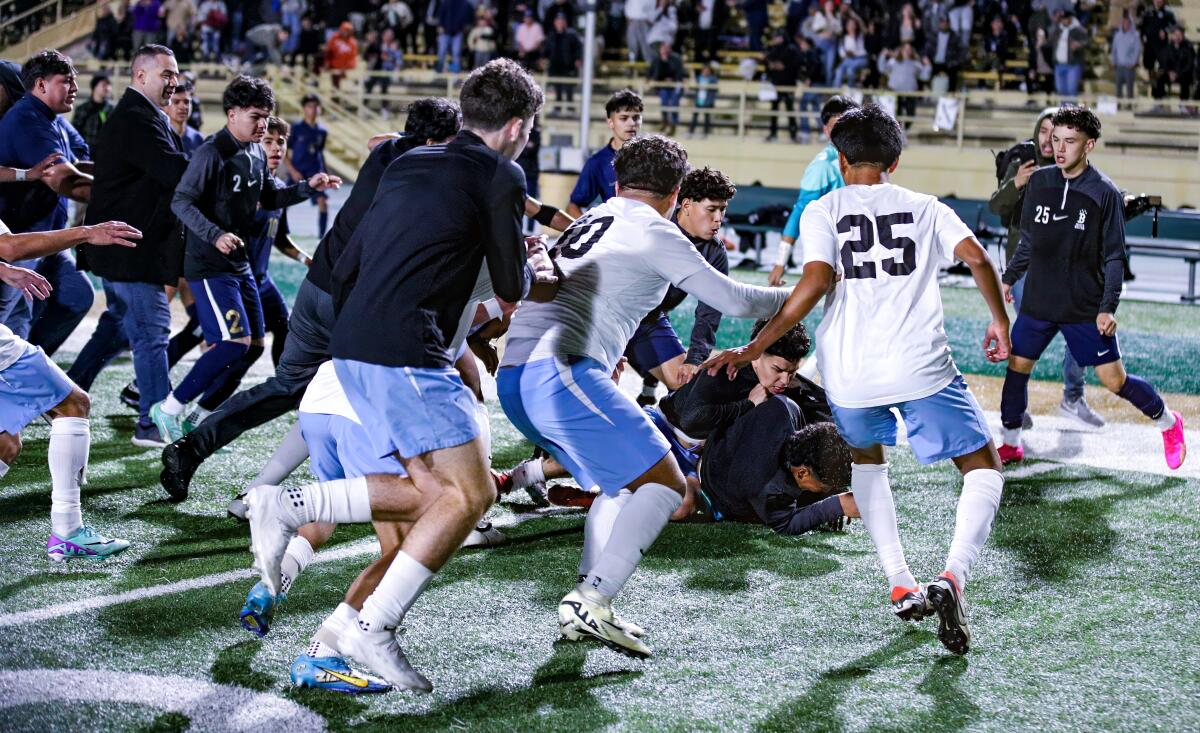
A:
x: 1007, y: 200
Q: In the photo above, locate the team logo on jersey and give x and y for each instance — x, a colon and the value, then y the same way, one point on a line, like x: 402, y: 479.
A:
x: 1081, y: 222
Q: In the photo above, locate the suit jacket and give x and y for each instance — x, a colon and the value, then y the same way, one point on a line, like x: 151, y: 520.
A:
x: 139, y: 161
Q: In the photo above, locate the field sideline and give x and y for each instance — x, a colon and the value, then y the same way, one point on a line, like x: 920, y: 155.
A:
x: 1084, y: 603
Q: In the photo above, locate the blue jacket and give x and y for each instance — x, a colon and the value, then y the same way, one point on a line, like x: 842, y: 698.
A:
x: 821, y: 176
x: 28, y: 133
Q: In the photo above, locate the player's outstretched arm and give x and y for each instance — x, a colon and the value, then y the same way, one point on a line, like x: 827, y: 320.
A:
x: 995, y: 340
x: 40, y: 244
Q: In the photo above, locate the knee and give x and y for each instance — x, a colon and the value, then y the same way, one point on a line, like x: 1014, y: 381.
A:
x: 10, y: 447
x: 77, y: 404
x: 1112, y: 382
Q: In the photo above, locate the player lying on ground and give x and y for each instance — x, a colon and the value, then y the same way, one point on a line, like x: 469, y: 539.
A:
x: 872, y: 250
x: 33, y: 386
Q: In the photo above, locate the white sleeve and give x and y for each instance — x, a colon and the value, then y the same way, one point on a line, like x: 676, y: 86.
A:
x: 731, y: 297
x: 948, y: 230
x: 4, y: 228
x: 819, y: 235
x: 671, y: 254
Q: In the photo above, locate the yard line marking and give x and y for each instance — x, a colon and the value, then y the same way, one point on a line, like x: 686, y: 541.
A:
x: 1035, y: 469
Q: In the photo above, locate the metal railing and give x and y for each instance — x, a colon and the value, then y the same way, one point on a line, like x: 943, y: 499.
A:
x: 20, y: 18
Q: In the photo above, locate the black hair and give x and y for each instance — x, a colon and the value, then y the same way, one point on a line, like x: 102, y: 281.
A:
x: 98, y: 79
x: 706, y: 183
x: 651, y: 163
x: 819, y: 447
x: 1078, y: 118
x: 621, y: 100
x: 247, y: 91
x: 868, y: 135
x: 150, y: 50
x: 433, y: 118
x: 279, y: 126
x: 308, y: 99
x: 793, y: 345
x: 44, y: 64
x: 836, y: 106
x: 184, y: 85
x: 497, y: 92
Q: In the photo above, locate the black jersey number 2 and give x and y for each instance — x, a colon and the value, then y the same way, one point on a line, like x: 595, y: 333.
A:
x: 573, y: 244
x: 907, y: 261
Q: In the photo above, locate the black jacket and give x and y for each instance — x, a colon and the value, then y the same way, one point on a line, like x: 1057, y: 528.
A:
x: 783, y: 64
x: 139, y: 161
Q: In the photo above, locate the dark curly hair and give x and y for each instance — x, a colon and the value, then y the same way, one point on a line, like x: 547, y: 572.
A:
x: 1077, y: 118
x: 706, y: 183
x: 433, y: 118
x: 248, y: 91
x: 279, y: 127
x: 868, y: 135
x: 497, y: 92
x: 652, y: 163
x: 623, y: 99
x: 43, y: 65
x: 793, y: 345
x: 819, y: 447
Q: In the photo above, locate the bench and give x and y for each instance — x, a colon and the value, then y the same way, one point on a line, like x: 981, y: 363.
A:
x: 1178, y: 249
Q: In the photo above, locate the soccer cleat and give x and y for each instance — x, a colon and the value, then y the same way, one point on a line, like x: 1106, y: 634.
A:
x: 169, y: 426
x: 910, y: 604
x: 259, y: 610
x: 485, y: 535
x: 1174, y: 444
x: 333, y: 673
x: 379, y: 651
x: 85, y: 543
x: 189, y: 423
x: 269, y: 536
x: 951, y: 607
x: 1080, y: 411
x: 147, y: 436
x: 130, y: 396
x: 630, y: 627
x: 236, y: 508
x: 1011, y: 454
x: 580, y: 618
x: 567, y: 495
x: 180, y: 462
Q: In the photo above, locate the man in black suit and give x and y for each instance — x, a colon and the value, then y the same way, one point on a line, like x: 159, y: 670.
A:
x: 138, y: 164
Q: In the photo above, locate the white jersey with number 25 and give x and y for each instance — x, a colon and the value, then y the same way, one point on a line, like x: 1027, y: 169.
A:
x: 882, y: 339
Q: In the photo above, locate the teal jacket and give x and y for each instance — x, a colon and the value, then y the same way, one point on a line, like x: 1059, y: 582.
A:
x: 821, y: 176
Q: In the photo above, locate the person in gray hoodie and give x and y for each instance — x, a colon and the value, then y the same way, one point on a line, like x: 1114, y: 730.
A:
x: 1126, y: 53
x: 905, y: 71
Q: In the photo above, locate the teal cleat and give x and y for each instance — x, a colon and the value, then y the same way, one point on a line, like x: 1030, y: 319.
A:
x: 170, y: 426
x: 333, y: 673
x: 85, y: 543
x: 259, y: 610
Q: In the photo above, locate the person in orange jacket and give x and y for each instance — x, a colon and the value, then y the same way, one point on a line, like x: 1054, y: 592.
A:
x: 341, y: 53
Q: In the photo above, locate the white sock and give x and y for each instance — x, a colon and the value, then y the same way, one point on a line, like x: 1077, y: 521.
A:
x: 397, y: 591
x: 598, y: 527
x: 3, y: 469
x: 1011, y: 436
x: 344, y: 501
x: 528, y: 473
x: 327, y: 641
x: 67, y: 454
x: 172, y: 406
x: 296, y: 557
x: 635, y: 529
x: 873, y: 494
x: 976, y: 510
x: 485, y: 428
x: 292, y: 452
x: 1166, y: 420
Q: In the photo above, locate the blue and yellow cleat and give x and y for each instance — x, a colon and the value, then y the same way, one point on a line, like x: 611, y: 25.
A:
x: 333, y: 673
x: 86, y: 543
x: 259, y: 610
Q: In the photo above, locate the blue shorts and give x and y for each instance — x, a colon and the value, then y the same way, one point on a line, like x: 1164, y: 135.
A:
x: 30, y: 387
x: 411, y: 410
x: 274, y: 307
x: 1031, y: 336
x: 687, y: 458
x: 340, y: 448
x: 228, y: 307
x: 946, y: 424
x: 653, y: 344
x: 572, y: 408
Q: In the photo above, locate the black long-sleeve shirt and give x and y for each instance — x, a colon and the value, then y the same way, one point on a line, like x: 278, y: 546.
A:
x: 1072, y: 246
x: 404, y: 280
x: 707, y: 319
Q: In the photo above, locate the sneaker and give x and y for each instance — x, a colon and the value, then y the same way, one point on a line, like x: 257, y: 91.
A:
x: 269, y: 536
x: 379, y: 651
x: 581, y: 618
x: 333, y: 673
x: 85, y: 543
x: 1011, y: 454
x: 503, y: 481
x: 537, y: 494
x: 236, y: 508
x: 147, y: 436
x: 1081, y: 412
x: 910, y: 604
x: 484, y: 535
x: 170, y: 426
x: 259, y: 610
x: 179, y: 465
x: 951, y: 607
x: 130, y: 396
x: 567, y: 495
x: 1174, y: 445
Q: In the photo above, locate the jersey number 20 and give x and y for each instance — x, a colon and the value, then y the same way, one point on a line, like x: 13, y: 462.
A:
x: 866, y: 240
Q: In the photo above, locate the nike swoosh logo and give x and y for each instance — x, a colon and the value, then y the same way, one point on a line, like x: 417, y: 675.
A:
x: 357, y: 682
x: 1059, y: 218
x: 1102, y: 353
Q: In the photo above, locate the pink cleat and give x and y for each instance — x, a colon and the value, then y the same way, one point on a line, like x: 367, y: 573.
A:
x: 1012, y: 454
x: 1174, y: 445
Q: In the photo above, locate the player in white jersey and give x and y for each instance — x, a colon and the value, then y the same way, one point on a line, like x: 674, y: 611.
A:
x: 555, y: 380
x: 31, y: 385
x: 873, y: 251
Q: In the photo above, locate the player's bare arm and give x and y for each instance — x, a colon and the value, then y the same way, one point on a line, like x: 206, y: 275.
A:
x: 995, y: 339
x: 289, y: 248
x: 36, y: 173
x: 40, y: 244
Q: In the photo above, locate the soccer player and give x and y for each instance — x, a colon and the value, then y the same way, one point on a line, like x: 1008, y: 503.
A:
x: 179, y: 111
x: 402, y: 291
x: 820, y: 177
x: 555, y: 380
x: 306, y: 158
x: 623, y: 112
x: 872, y: 250
x: 1072, y: 256
x: 34, y: 386
x: 216, y: 200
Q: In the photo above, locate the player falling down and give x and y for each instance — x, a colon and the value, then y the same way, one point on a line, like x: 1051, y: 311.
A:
x: 555, y: 380
x: 31, y: 385
x: 411, y: 269
x: 873, y: 250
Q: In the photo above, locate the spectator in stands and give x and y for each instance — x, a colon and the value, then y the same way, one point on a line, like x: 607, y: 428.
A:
x: 104, y: 34
x: 1126, y: 53
x: 179, y: 14
x: 564, y: 57
x: 341, y: 52
x: 797, y: 11
x: 91, y: 115
x: 398, y: 16
x: 711, y: 16
x: 932, y: 11
x: 824, y: 28
x: 383, y: 58
x: 147, y: 23
x: 1177, y: 65
x: 185, y: 46
x: 944, y: 54
x: 289, y: 17
x: 1065, y: 47
x: 996, y: 46
x: 906, y: 27
x: 482, y: 41
x: 707, y: 80
x: 666, y: 72
x: 812, y: 74
x: 555, y: 8
x: 665, y: 25
x: 454, y: 17
x: 214, y: 16
x: 756, y: 21
x: 639, y: 14
x: 264, y: 44
x: 1156, y: 21
x: 782, y: 62
x: 905, y: 71
x: 123, y: 46
x: 874, y: 42
x: 962, y: 20
x: 308, y: 46
x: 529, y: 37
x: 854, y: 56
